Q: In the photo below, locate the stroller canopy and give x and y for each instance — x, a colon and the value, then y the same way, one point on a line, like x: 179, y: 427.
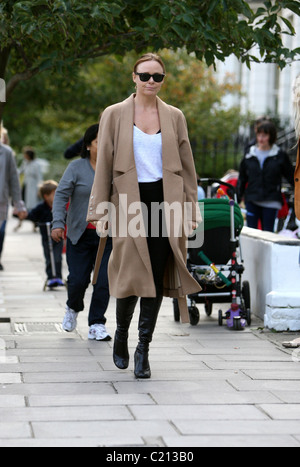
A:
x: 217, y: 214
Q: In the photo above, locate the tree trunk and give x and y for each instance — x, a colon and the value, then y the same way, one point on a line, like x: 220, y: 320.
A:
x: 4, y: 56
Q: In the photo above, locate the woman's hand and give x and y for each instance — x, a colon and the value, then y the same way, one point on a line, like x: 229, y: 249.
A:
x: 58, y: 235
x: 102, y: 227
x: 192, y: 226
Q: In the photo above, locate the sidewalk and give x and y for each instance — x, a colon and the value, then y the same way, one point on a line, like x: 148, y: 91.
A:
x: 210, y: 386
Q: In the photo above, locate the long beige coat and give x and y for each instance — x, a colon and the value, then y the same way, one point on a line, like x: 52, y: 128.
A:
x: 130, y: 271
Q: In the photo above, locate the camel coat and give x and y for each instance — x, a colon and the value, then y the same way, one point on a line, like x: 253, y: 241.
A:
x: 297, y: 185
x: 130, y: 271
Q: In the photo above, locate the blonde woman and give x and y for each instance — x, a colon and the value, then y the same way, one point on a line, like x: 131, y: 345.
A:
x: 296, y: 343
x: 144, y: 156
x: 297, y: 127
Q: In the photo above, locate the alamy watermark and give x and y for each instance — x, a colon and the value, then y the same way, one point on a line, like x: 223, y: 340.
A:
x: 2, y: 90
x: 173, y: 220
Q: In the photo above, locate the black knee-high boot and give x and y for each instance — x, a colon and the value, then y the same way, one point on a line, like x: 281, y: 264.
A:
x: 148, y: 317
x: 125, y: 311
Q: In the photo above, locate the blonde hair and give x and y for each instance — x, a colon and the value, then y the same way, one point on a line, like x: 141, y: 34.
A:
x: 47, y: 187
x: 296, y: 101
x: 149, y: 58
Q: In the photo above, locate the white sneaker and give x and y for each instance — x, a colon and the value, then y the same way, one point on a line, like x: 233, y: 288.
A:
x: 98, y: 332
x: 70, y: 320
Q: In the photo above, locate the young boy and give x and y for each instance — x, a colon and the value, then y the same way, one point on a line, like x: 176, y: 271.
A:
x: 42, y: 214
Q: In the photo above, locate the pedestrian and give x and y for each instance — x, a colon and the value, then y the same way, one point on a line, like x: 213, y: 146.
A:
x: 4, y: 136
x: 32, y: 178
x: 295, y: 344
x: 144, y: 156
x: 42, y: 215
x: 82, y: 240
x: 9, y: 188
x: 260, y: 178
x: 253, y: 141
x: 297, y: 128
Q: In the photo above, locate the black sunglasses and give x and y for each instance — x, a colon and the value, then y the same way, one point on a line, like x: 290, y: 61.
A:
x: 144, y: 77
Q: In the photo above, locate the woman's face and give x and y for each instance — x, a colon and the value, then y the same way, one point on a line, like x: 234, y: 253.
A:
x: 149, y: 88
x: 263, y: 141
x: 93, y: 148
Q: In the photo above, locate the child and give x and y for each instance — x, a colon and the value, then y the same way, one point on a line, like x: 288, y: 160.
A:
x: 42, y: 214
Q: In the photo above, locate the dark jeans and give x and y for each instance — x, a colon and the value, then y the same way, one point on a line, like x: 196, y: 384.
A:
x: 267, y: 216
x: 81, y: 260
x: 2, y: 235
x: 57, y: 252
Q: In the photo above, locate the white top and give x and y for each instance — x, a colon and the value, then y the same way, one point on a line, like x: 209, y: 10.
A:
x: 148, y: 156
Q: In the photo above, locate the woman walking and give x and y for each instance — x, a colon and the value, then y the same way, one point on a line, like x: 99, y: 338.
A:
x: 9, y: 188
x: 33, y: 177
x: 297, y: 128
x: 82, y: 240
x: 144, y: 157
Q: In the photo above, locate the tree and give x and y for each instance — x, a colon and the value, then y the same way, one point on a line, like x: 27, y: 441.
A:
x: 57, y: 112
x: 39, y: 35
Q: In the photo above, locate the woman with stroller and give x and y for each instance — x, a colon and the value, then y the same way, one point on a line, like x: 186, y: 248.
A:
x: 260, y: 178
x: 82, y: 240
x: 144, y: 156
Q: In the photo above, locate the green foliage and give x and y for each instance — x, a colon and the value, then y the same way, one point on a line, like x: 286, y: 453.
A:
x: 51, y: 112
x: 57, y: 33
x: 49, y: 44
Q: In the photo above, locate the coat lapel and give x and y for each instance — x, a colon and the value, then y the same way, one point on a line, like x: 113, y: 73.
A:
x: 171, y: 158
x: 127, y: 183
x: 124, y: 158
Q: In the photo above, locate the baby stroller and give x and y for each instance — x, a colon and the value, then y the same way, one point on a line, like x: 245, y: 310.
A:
x: 215, y: 265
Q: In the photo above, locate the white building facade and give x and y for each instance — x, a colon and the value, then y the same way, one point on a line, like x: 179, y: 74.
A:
x: 266, y: 90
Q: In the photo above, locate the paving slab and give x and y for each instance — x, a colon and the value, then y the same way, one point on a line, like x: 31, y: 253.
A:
x: 237, y: 440
x: 210, y: 386
x: 92, y: 429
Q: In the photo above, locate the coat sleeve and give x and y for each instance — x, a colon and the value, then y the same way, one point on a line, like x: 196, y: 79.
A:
x: 62, y: 196
x: 242, y: 181
x: 288, y: 170
x: 188, y: 169
x: 14, y: 185
x: 102, y: 187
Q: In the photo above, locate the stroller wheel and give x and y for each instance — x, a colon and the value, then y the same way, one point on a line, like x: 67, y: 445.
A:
x: 194, y: 315
x: 208, y: 308
x: 246, y: 295
x: 176, y: 310
x: 248, y: 317
x: 237, y: 325
x: 220, y: 318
